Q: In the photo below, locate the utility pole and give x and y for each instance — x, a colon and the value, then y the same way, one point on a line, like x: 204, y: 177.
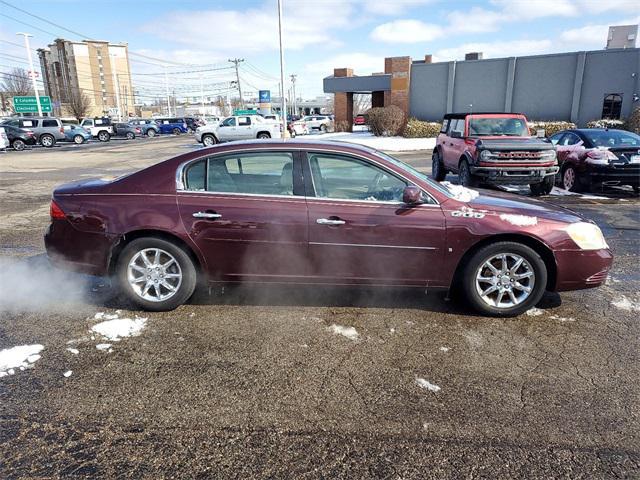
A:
x: 285, y: 131
x: 295, y: 102
x: 33, y: 72
x: 236, y: 61
x: 202, y: 93
x: 166, y: 84
x: 116, y: 87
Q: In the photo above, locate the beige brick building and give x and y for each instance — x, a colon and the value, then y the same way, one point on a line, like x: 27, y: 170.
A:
x: 88, y: 67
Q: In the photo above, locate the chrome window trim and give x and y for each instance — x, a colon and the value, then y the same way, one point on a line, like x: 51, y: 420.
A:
x: 289, y: 147
x: 408, y: 247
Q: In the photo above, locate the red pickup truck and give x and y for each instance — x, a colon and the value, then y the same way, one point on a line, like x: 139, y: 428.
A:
x: 494, y: 148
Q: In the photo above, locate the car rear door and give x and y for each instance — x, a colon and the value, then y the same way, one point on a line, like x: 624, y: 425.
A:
x: 245, y: 129
x: 247, y: 214
x: 359, y: 229
x: 452, y: 145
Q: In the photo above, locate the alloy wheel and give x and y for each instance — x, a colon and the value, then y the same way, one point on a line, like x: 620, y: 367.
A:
x: 569, y: 178
x: 154, y: 274
x: 505, y: 280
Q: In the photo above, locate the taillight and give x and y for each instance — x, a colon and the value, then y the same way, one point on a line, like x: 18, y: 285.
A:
x: 62, y: 130
x: 56, y: 212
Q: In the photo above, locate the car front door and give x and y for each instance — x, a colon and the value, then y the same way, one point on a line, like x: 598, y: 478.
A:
x: 247, y: 214
x: 227, y: 130
x: 359, y: 229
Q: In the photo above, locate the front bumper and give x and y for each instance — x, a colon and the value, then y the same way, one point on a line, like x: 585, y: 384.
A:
x: 580, y: 269
x: 509, y: 175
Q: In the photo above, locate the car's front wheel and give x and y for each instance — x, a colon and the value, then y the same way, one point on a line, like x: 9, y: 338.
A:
x: 544, y: 187
x: 437, y: 168
x: 104, y: 136
x: 570, y: 180
x: 78, y: 139
x: 176, y: 131
x: 156, y: 274
x: 466, y: 177
x: 504, y: 279
x: 131, y: 135
x: 151, y: 132
x: 209, y: 140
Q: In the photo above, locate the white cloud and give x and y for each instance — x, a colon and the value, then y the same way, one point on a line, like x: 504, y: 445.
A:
x: 406, y: 31
x: 362, y: 64
x: 523, y: 10
x: 477, y: 20
x: 393, y: 7
x: 495, y: 49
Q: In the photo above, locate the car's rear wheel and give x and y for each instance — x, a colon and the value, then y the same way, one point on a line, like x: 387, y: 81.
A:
x: 504, y: 279
x: 323, y: 128
x: 544, y: 187
x: 104, y: 136
x: 437, y: 168
x: 156, y: 274
x: 47, y: 140
x: 264, y: 135
x: 466, y: 177
x: 131, y: 135
x: 151, y: 132
x: 209, y: 140
x: 78, y: 139
x: 18, y: 145
x: 176, y: 131
x: 570, y: 180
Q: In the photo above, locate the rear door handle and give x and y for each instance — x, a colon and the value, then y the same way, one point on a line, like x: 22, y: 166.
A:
x: 206, y: 215
x: 328, y: 221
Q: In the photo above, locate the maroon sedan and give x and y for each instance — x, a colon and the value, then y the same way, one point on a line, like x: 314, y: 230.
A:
x: 317, y: 213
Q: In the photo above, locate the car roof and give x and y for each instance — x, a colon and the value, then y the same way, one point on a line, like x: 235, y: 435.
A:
x: 466, y: 114
x: 298, y: 143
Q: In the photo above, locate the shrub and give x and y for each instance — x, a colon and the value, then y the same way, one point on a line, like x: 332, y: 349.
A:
x: 418, y: 129
x: 550, y: 127
x: 386, y: 121
x: 606, y: 123
x: 633, y: 122
x: 342, y: 126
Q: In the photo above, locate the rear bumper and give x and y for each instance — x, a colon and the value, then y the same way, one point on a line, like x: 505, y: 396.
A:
x: 513, y: 175
x: 580, y: 269
x: 623, y: 174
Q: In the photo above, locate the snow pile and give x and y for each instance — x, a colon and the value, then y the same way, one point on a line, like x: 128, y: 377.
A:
x: 519, y: 220
x: 115, y: 328
x: 562, y: 319
x: 105, y: 347
x: 390, y: 144
x: 349, y: 332
x: 444, y: 349
x: 625, y: 304
x: 460, y: 193
x: 427, y: 385
x: 75, y: 351
x: 534, y: 312
x: 21, y: 357
x: 68, y: 373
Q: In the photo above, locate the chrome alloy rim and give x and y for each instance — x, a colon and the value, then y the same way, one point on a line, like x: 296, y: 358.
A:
x: 569, y: 178
x: 505, y: 280
x: 154, y: 274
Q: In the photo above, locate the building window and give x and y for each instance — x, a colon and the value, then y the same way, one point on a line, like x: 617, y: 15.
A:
x: 612, y: 106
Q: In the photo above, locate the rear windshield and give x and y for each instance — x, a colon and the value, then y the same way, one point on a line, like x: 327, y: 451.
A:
x: 492, y: 126
x: 612, y: 138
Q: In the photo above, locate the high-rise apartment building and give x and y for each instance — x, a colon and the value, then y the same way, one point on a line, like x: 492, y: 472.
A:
x: 98, y: 69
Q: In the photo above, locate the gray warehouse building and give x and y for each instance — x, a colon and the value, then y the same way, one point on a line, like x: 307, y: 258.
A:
x: 576, y: 86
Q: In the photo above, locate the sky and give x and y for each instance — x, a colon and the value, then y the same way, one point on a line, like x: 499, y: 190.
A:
x: 200, y: 36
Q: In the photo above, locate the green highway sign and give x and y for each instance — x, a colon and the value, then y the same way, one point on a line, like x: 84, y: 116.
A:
x: 245, y: 112
x: 30, y: 105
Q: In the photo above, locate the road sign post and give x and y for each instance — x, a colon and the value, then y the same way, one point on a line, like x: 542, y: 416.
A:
x: 30, y: 104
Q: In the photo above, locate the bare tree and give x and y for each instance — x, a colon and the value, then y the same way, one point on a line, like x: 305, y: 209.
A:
x: 79, y: 103
x: 16, y: 83
x: 361, y: 102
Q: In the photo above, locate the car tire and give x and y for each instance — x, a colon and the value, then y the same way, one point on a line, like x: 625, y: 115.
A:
x: 78, y: 139
x: 493, y: 303
x: 292, y: 134
x: 47, y: 140
x: 264, y: 135
x: 148, y: 292
x: 176, y: 131
x: 131, y: 135
x: 323, y: 128
x: 465, y: 176
x: 544, y: 187
x: 570, y: 180
x: 151, y: 132
x: 18, y: 145
x: 208, y: 140
x: 104, y: 136
x: 438, y: 171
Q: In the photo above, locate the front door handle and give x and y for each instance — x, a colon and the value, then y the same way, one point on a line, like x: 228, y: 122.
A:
x: 328, y: 221
x: 206, y: 215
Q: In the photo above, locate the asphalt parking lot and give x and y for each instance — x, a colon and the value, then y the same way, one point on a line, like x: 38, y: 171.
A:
x: 298, y: 382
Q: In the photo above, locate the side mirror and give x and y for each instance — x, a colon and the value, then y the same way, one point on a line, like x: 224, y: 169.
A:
x: 455, y: 134
x: 540, y: 133
x: 411, y: 195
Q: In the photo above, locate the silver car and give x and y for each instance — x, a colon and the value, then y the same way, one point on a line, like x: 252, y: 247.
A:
x: 48, y: 130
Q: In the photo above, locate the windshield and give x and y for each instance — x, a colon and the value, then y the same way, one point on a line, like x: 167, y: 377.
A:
x: 414, y: 172
x: 612, y: 138
x: 492, y: 126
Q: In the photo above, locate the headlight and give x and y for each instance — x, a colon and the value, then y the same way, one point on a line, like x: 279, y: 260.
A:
x: 587, y: 236
x: 548, y: 155
x: 486, y: 155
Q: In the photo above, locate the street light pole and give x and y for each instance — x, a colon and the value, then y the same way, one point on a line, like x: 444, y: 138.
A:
x: 283, y: 112
x: 166, y: 84
x: 33, y: 72
x: 116, y: 86
x: 295, y: 102
x: 202, y: 94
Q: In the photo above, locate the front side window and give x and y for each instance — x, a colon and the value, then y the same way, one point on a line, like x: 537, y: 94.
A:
x: 260, y: 173
x: 612, y: 106
x: 569, y: 139
x: 348, y: 178
x: 229, y: 122
x: 86, y: 123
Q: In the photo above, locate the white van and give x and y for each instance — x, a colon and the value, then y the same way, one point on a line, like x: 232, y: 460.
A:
x: 4, y: 140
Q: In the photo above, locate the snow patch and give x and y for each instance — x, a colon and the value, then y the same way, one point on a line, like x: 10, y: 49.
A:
x: 67, y: 374
x: 625, y: 304
x: 22, y: 356
x: 117, y: 328
x: 391, y: 144
x: 75, y: 351
x: 444, y: 349
x: 562, y: 319
x: 427, y: 385
x: 104, y: 346
x: 392, y: 330
x: 534, y: 312
x: 460, y: 193
x: 349, y: 332
x: 519, y: 220
x: 106, y: 316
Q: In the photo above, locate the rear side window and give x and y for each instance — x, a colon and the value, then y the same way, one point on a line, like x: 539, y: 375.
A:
x: 195, y: 176
x: 244, y: 121
x: 49, y: 123
x: 28, y: 123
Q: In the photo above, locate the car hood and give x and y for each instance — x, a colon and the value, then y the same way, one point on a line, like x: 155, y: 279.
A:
x: 517, y: 143
x: 499, y: 203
